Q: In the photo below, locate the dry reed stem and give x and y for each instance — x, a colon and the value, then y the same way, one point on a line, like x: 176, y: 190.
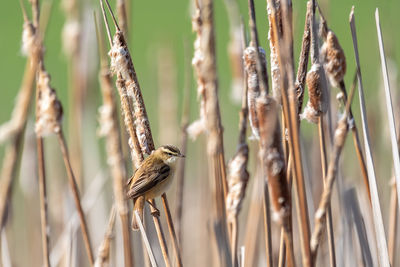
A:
x: 324, y: 165
x: 145, y: 239
x: 392, y: 233
x: 350, y: 197
x: 335, y: 66
x: 318, y: 105
x: 320, y: 214
x: 303, y: 61
x: 357, y: 143
x: 389, y: 105
x: 275, y: 30
x: 45, y: 227
x: 273, y: 162
x: 75, y: 191
x: 285, y: 58
x: 253, y: 223
x: 73, y: 50
x: 207, y: 77
x: 259, y: 105
x: 122, y: 8
x: 134, y: 108
x: 172, y: 232
x: 109, y: 127
x: 238, y: 175
x: 103, y: 252
x: 180, y: 172
x: 89, y: 200
x: 376, y: 210
x: 13, y: 150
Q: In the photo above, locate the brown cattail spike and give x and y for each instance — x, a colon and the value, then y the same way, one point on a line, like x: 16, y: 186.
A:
x: 49, y: 109
x: 318, y: 102
x: 237, y: 181
x: 333, y: 58
x: 199, y: 126
x: 121, y: 64
x: 253, y: 85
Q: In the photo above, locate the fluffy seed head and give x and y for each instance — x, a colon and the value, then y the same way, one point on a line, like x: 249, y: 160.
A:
x: 49, y: 109
x: 334, y: 60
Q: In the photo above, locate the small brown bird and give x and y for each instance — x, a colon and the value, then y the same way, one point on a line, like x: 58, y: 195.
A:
x: 152, y: 178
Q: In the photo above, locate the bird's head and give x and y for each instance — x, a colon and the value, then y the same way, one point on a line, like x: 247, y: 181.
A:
x: 169, y: 153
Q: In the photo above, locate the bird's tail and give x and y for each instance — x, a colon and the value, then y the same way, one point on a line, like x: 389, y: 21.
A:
x: 138, y: 206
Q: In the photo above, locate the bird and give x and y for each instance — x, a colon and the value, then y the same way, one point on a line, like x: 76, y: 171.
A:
x: 153, y: 177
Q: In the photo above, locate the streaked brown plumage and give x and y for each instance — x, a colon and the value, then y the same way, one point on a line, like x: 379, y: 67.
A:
x: 152, y: 178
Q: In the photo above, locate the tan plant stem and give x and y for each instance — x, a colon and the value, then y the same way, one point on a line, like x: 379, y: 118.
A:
x: 103, y: 253
x: 43, y: 202
x: 329, y: 222
x: 75, y: 193
x: 285, y: 53
x: 13, y: 150
x: 171, y: 229
x: 303, y: 61
x: 180, y: 175
x: 376, y: 209
x: 215, y: 148
x: 393, y: 220
x: 127, y: 79
x: 357, y: 142
x: 110, y: 127
x: 320, y: 214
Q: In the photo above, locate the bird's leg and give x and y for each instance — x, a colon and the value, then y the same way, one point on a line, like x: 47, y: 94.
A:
x: 154, y: 210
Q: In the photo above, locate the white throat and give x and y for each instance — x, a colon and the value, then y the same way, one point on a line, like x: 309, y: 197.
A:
x: 171, y: 160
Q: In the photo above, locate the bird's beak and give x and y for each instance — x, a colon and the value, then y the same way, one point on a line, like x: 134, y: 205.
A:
x: 182, y: 156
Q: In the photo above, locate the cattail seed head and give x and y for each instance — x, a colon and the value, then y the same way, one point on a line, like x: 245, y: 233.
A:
x: 333, y: 58
x: 49, y: 109
x: 318, y: 102
x: 237, y: 181
x: 253, y: 85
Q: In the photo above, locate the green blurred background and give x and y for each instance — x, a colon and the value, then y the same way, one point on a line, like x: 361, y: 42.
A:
x: 157, y: 23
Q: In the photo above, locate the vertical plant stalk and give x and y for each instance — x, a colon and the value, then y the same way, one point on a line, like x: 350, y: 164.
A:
x: 238, y: 176
x: 75, y: 192
x: 13, y: 150
x: 389, y: 105
x: 258, y: 101
x: 334, y: 60
x: 141, y: 140
x: 285, y: 58
x: 317, y: 106
x: 72, y: 47
x: 180, y: 175
x: 303, y: 60
x: 122, y: 10
x: 172, y: 232
x: 109, y: 127
x: 320, y: 214
x: 145, y: 239
x: 210, y: 119
x: 376, y: 209
x: 393, y: 220
x: 103, y: 253
x: 43, y: 202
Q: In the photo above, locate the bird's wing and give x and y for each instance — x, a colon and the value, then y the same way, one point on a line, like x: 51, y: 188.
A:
x: 148, y: 180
